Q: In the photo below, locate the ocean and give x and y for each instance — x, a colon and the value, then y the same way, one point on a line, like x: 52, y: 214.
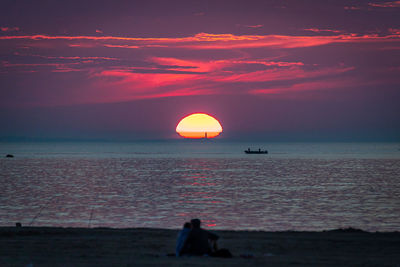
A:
x: 296, y: 186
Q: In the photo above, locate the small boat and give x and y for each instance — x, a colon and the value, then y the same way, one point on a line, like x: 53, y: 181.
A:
x: 259, y: 151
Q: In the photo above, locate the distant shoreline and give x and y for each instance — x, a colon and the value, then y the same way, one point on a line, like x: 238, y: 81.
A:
x: 57, y: 229
x: 55, y: 246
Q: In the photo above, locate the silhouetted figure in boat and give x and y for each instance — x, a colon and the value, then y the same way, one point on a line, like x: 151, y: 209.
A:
x: 259, y: 151
x: 198, y: 241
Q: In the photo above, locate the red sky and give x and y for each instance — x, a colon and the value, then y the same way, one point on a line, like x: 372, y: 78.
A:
x: 312, y: 70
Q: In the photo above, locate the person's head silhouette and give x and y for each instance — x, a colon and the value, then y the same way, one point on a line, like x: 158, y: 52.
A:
x: 195, y: 223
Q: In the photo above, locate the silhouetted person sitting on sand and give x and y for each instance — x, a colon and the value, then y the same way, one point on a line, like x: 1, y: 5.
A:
x: 182, y: 236
x: 198, y: 241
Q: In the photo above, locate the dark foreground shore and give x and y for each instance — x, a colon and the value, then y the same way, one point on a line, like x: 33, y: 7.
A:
x: 42, y: 246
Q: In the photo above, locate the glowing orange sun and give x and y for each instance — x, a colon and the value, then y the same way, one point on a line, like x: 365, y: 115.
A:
x: 199, y: 125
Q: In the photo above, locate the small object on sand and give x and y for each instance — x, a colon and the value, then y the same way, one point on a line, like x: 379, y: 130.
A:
x: 18, y: 224
x: 9, y: 156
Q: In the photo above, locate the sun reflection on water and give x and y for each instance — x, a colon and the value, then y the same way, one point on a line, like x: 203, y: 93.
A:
x: 251, y: 193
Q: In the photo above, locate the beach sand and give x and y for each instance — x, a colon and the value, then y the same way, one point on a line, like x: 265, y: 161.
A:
x: 48, y: 246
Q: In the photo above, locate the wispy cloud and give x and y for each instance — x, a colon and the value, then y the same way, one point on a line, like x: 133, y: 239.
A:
x: 303, y: 86
x: 322, y: 30
x: 121, y: 46
x: 9, y: 29
x: 66, y: 57
x: 35, y: 67
x: 199, y: 77
x: 213, y: 41
x: 251, y: 26
x: 127, y: 68
x: 386, y: 4
x: 394, y: 31
x: 352, y: 8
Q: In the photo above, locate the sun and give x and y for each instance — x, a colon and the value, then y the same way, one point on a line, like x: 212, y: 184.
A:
x: 199, y: 125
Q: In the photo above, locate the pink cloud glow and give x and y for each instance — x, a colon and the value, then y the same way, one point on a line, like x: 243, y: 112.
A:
x: 254, y: 26
x: 306, y: 86
x: 322, y: 30
x: 114, y: 75
x: 122, y: 46
x: 127, y: 84
x: 9, y: 29
x: 72, y: 58
x: 217, y: 41
x: 278, y: 74
x: 394, y: 31
x: 352, y: 8
x: 386, y: 4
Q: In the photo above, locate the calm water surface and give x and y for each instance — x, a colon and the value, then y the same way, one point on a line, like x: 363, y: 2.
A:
x: 297, y: 186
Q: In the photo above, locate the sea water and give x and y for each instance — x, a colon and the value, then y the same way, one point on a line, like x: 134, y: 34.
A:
x: 297, y: 186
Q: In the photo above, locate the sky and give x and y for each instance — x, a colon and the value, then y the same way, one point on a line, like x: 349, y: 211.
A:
x: 267, y: 70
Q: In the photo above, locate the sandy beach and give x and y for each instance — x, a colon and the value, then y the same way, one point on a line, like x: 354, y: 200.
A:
x: 45, y: 246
